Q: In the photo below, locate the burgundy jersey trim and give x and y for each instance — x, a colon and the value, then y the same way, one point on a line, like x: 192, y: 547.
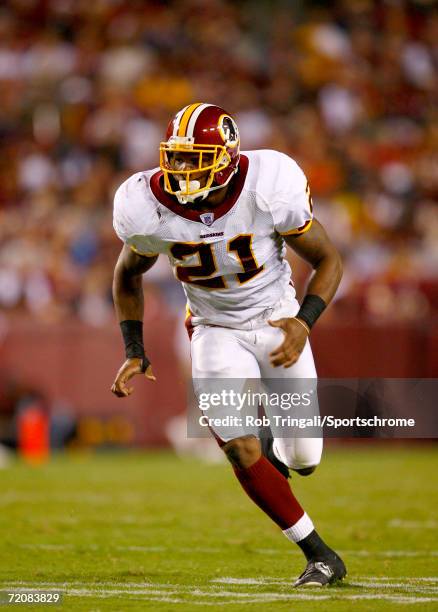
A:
x: 193, y: 215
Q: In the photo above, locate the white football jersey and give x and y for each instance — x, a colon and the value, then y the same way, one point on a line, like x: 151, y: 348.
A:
x: 231, y: 261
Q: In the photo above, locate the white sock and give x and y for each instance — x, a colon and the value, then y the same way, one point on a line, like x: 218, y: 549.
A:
x: 300, y: 530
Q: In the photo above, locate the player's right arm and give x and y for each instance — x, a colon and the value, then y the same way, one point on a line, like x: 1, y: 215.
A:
x: 129, y: 305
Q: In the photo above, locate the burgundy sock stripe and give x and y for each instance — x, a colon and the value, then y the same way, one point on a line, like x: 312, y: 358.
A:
x: 264, y: 484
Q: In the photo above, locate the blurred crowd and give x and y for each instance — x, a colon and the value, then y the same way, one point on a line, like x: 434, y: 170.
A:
x: 349, y: 89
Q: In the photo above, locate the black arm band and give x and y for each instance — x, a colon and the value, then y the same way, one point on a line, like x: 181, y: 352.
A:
x: 311, y: 309
x: 132, y: 332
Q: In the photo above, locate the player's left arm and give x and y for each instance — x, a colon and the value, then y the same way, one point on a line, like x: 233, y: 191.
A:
x: 315, y: 247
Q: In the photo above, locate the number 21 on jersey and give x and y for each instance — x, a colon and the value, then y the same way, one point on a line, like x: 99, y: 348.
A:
x: 201, y: 274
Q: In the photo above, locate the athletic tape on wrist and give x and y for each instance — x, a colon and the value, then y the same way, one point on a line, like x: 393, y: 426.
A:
x: 132, y: 332
x: 311, y: 309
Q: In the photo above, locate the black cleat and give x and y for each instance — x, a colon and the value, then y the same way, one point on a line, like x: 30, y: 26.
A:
x: 322, y: 573
x: 267, y: 443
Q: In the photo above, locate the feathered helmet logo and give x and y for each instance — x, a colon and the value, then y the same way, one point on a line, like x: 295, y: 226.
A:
x: 229, y: 131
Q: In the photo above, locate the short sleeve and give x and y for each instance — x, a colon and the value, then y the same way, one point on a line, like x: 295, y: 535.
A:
x: 291, y: 203
x: 134, y: 220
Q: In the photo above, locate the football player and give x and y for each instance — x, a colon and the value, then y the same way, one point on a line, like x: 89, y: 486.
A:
x: 224, y: 218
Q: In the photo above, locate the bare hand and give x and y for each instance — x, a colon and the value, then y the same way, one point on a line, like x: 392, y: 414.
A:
x: 295, y: 338
x: 130, y: 368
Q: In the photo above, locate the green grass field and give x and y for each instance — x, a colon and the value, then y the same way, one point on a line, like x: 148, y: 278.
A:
x: 141, y: 531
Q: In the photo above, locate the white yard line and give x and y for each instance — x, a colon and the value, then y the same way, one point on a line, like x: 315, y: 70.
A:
x: 409, y: 578
x: 390, y: 553
x: 48, y: 546
x: 213, y: 550
x: 402, y: 524
x: 246, y: 597
x: 142, y: 548
x: 164, y: 595
x: 429, y: 590
x: 176, y: 593
x: 365, y: 579
x: 367, y: 583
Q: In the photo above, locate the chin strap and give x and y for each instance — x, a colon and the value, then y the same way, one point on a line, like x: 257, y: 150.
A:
x: 194, y: 186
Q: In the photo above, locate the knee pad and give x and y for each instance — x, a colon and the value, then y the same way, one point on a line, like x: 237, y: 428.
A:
x: 300, y: 454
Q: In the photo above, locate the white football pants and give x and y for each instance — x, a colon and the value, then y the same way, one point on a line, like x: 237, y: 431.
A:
x: 243, y: 355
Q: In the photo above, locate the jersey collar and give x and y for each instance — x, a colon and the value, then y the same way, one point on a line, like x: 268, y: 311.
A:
x: 193, y: 215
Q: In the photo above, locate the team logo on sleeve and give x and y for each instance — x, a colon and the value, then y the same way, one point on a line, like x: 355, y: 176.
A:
x: 207, y: 218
